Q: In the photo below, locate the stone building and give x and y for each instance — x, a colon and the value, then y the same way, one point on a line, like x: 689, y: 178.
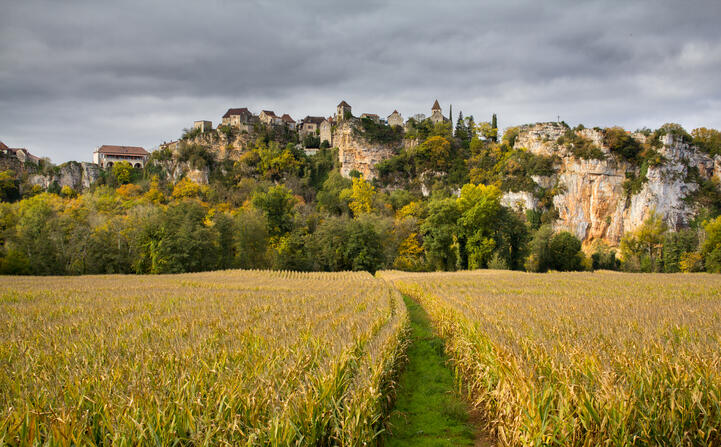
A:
x: 288, y: 121
x: 395, y: 119
x: 204, y: 126
x: 326, y: 131
x: 310, y: 125
x: 270, y: 118
x: 236, y: 117
x: 20, y: 153
x: 436, y: 115
x: 343, y: 110
x: 107, y: 155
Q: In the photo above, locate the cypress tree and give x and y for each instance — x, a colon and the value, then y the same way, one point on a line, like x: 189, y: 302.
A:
x: 461, y: 131
x: 494, y: 125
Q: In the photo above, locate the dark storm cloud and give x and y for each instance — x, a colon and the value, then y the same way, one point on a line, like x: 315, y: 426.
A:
x: 77, y: 74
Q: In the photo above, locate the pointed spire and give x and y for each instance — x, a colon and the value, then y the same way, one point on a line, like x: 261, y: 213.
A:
x: 436, y: 106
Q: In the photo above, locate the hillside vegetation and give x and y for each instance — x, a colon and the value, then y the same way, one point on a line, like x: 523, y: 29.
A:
x: 441, y: 203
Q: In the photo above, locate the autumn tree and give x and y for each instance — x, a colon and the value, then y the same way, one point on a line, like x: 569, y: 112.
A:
x: 360, y: 196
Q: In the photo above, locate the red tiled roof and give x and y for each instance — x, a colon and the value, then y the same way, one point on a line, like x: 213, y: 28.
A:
x: 2, y: 145
x: 343, y: 104
x: 122, y: 150
x: 287, y: 118
x: 369, y: 115
x: 436, y: 106
x: 232, y: 112
x: 269, y: 112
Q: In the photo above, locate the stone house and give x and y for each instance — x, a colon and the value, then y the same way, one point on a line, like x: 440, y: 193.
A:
x: 326, y: 131
x: 310, y: 125
x: 236, y: 117
x: 395, y: 119
x: 270, y: 118
x: 436, y: 113
x: 288, y: 121
x: 20, y: 153
x: 342, y: 110
x: 107, y: 155
x: 204, y: 126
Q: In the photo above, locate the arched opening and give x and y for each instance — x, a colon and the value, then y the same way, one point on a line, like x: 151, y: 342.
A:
x: 137, y: 165
x: 109, y: 164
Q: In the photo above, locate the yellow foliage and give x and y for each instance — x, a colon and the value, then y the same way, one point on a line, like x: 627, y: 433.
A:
x: 360, y: 195
x: 414, y: 209
x: 186, y: 188
x: 691, y: 262
x: 129, y: 191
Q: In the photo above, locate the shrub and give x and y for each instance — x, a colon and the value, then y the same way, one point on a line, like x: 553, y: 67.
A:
x: 622, y: 143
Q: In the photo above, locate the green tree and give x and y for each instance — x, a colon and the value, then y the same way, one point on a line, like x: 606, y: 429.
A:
x: 540, y: 258
x: 642, y: 249
x: 711, y: 248
x: 494, y: 127
x: 329, y: 197
x: 480, y: 207
x: 708, y: 140
x: 364, y: 248
x: 675, y: 245
x: 9, y: 191
x: 278, y: 206
x: 566, y: 254
x: 439, y: 233
x: 123, y: 172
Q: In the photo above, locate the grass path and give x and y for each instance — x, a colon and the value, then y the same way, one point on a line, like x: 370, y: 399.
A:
x: 428, y: 411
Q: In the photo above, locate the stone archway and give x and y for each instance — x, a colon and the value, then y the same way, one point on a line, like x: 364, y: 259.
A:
x: 137, y: 165
x: 109, y: 164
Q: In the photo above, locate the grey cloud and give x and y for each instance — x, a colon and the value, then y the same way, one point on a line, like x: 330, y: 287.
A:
x: 77, y: 74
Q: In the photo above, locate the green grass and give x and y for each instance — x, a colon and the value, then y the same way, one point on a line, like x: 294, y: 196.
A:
x: 428, y: 411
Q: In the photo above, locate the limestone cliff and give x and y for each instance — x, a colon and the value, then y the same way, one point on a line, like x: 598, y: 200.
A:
x: 356, y: 153
x: 592, y: 202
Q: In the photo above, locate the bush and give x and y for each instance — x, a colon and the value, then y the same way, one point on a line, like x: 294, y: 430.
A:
x: 622, y: 143
x: 378, y: 133
x: 566, y: 255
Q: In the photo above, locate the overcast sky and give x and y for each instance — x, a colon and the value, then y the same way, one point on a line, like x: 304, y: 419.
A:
x: 78, y: 74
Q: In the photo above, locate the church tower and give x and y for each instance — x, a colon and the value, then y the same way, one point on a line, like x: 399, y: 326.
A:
x: 437, y: 113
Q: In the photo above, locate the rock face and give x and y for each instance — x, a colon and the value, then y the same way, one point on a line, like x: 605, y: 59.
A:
x: 592, y: 202
x: 78, y: 176
x: 357, y: 154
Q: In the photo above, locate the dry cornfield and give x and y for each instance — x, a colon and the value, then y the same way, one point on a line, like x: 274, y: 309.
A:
x: 241, y: 358
x: 582, y: 359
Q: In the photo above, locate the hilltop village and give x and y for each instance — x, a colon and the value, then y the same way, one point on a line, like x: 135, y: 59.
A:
x: 412, y: 185
x: 239, y: 127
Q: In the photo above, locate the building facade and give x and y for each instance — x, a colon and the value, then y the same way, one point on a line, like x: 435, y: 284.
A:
x: 236, y: 117
x: 204, y: 126
x: 436, y: 113
x: 343, y: 111
x: 326, y: 131
x: 310, y: 125
x: 395, y: 119
x: 107, y: 155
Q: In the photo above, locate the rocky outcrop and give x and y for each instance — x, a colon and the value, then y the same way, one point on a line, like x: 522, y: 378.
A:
x: 76, y: 175
x: 591, y: 200
x: 357, y: 154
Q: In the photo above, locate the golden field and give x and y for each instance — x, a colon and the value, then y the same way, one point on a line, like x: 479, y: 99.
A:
x: 582, y: 358
x: 241, y: 358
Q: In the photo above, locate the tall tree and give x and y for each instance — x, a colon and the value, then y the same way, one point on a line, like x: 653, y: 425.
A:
x: 494, y: 126
x: 461, y: 131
